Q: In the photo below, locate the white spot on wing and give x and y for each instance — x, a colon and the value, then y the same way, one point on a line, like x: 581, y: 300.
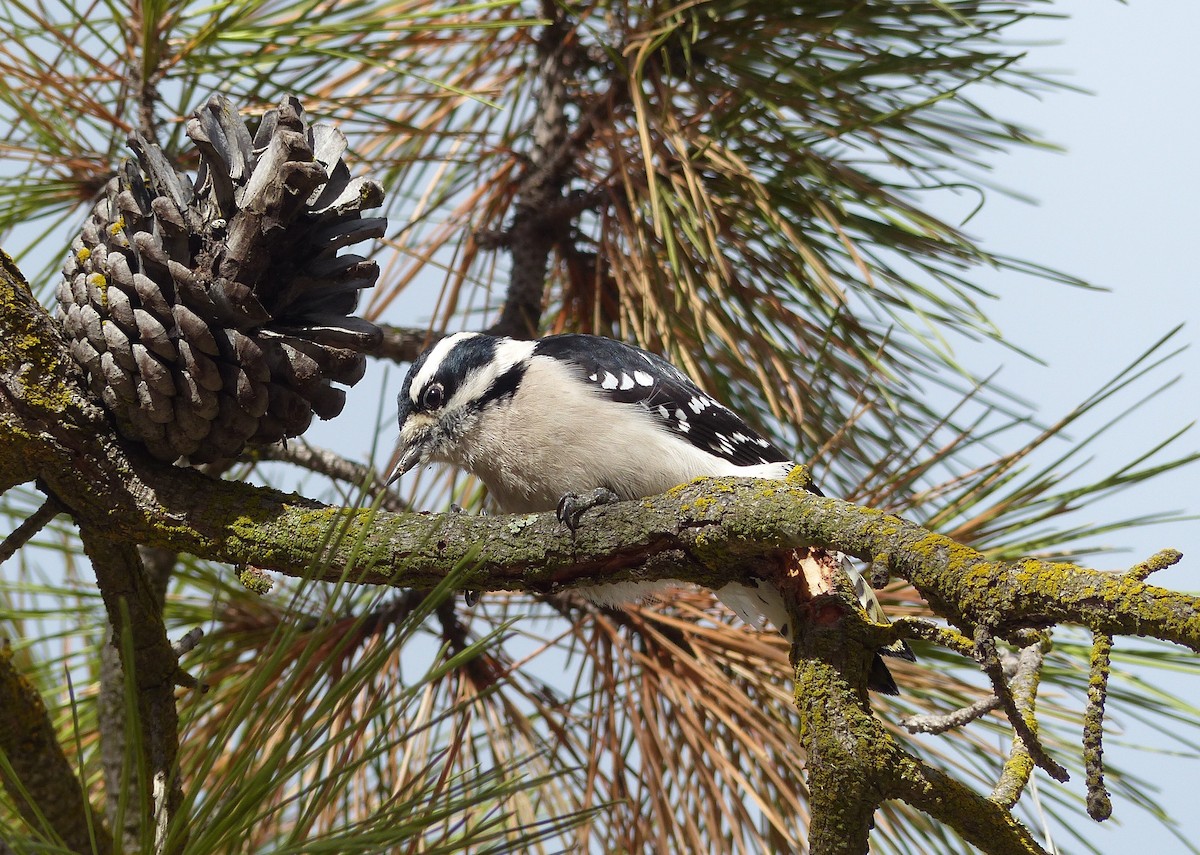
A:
x: 643, y: 378
x: 626, y: 382
x: 609, y: 381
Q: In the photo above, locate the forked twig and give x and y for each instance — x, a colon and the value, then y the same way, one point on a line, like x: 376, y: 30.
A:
x: 1018, y: 701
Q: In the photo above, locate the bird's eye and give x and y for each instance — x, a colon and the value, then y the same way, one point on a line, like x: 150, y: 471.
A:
x: 433, y: 397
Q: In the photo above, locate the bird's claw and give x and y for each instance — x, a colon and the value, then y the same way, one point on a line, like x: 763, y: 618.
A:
x: 572, y: 506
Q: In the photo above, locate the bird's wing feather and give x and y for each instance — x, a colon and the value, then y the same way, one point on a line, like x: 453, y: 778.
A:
x: 633, y: 376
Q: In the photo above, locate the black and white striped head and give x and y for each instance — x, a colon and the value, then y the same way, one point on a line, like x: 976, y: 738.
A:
x: 447, y: 391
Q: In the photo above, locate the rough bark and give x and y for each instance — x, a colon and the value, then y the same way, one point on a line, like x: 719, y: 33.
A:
x: 44, y: 786
x: 113, y: 720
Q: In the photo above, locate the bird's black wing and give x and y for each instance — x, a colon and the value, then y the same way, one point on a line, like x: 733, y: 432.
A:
x: 630, y: 375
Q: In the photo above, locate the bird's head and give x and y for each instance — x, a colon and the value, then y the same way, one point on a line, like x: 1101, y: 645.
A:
x: 449, y: 388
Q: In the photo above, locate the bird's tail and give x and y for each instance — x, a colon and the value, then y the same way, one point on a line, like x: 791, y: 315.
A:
x: 760, y: 602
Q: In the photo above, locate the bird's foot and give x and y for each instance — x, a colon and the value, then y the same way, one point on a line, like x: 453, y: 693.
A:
x: 572, y: 506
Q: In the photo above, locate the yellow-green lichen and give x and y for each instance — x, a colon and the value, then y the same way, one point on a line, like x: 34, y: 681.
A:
x: 245, y: 527
x: 674, y: 492
x: 29, y: 350
x: 97, y: 281
x: 83, y: 254
x: 800, y: 476
x: 255, y: 579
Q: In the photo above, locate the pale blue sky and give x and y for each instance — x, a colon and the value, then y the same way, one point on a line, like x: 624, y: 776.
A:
x: 1118, y: 208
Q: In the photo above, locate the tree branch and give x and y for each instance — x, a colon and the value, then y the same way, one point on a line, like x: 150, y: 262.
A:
x: 941, y: 722
x: 536, y: 225
x: 404, y: 344
x: 1018, y: 701
x: 29, y: 527
x: 1099, y: 805
x: 45, y: 788
x: 979, y: 821
x: 705, y: 533
x: 855, y: 762
x: 134, y: 608
x: 330, y: 464
x: 120, y: 783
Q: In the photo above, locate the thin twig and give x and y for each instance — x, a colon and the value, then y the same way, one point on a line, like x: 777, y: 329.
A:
x: 186, y: 680
x: 1160, y: 560
x: 1018, y: 701
x: 404, y: 344
x: 330, y: 464
x: 941, y: 722
x: 910, y: 627
x: 1099, y: 805
x: 31, y: 525
x: 188, y: 643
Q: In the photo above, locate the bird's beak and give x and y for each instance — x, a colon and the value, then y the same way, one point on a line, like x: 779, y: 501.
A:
x: 406, y: 456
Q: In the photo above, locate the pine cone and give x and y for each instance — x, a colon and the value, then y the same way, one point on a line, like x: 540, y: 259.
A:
x: 213, y: 314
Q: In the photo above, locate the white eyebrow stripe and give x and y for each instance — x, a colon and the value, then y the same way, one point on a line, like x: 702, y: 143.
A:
x: 434, y: 361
